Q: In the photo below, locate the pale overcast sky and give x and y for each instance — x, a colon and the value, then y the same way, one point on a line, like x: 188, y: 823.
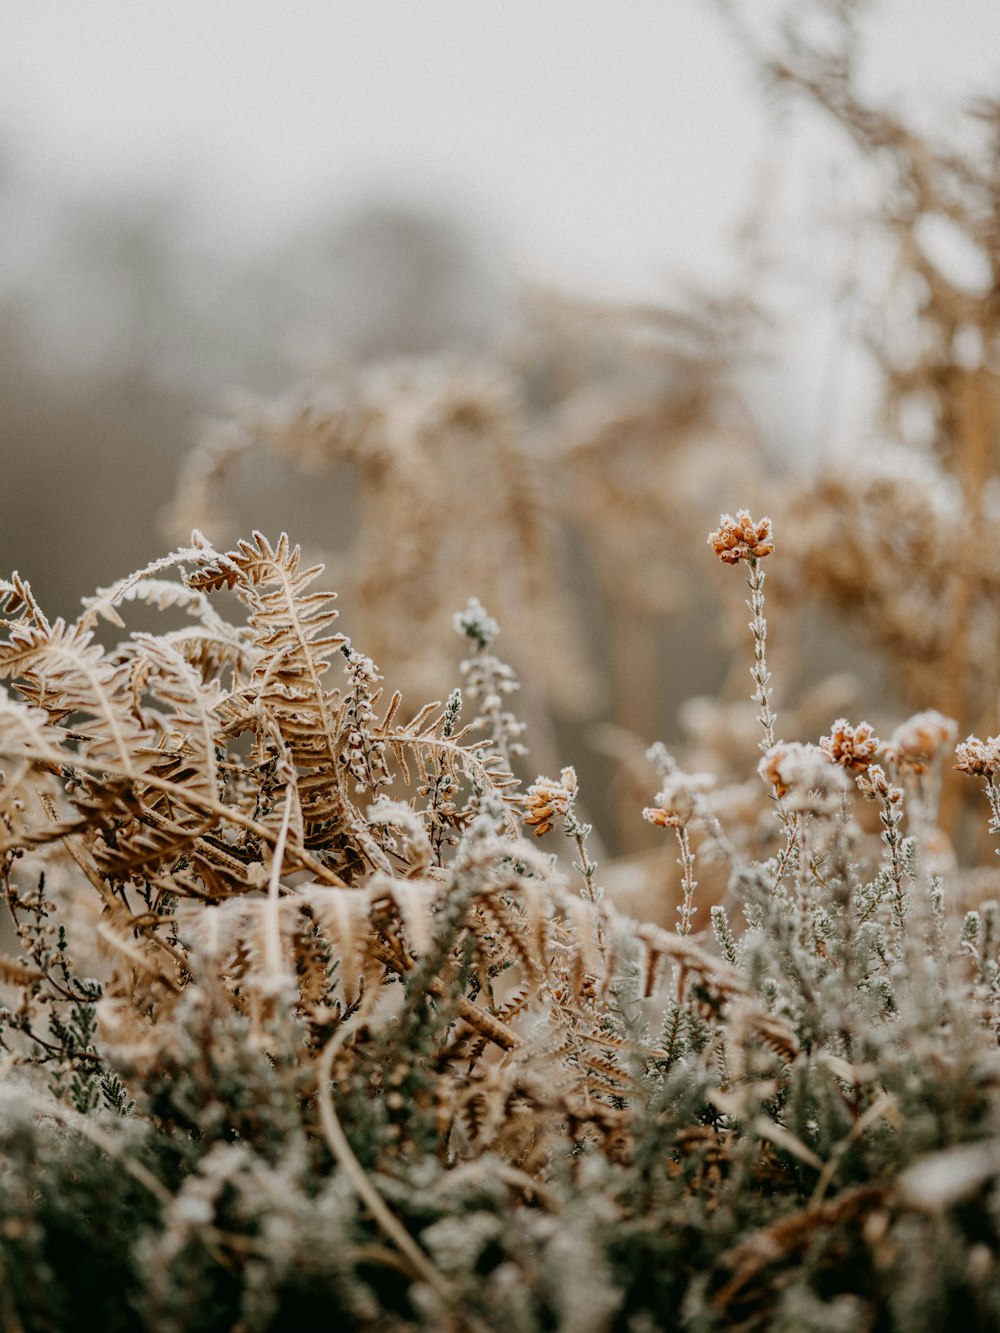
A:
x: 610, y: 148
x: 610, y: 145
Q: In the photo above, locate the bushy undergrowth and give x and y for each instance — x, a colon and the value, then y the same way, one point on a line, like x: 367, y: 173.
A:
x: 304, y: 1031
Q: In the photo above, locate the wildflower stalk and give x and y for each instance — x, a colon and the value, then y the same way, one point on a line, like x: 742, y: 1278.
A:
x: 890, y: 819
x: 981, y: 759
x: 993, y: 796
x: 678, y: 805
x: 489, y: 680
x: 545, y: 801
x: 759, y: 672
x: 688, y: 882
x: 592, y: 892
x: 788, y: 855
x: 743, y: 540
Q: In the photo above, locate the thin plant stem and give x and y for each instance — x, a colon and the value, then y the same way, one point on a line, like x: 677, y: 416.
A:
x: 767, y: 717
x: 686, y: 860
x: 761, y: 676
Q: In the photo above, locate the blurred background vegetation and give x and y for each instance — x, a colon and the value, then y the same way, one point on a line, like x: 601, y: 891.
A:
x: 392, y: 374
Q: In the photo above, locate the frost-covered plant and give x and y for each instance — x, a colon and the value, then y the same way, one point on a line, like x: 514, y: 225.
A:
x: 301, y: 1028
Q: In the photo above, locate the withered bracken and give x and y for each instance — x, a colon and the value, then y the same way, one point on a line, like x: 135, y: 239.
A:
x: 301, y: 1027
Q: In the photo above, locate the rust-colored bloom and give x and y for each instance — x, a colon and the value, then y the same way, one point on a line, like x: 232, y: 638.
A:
x: 677, y: 804
x: 921, y: 739
x: 805, y: 774
x: 980, y: 759
x: 854, y: 748
x: 787, y: 764
x: 741, y: 538
x: 547, y: 800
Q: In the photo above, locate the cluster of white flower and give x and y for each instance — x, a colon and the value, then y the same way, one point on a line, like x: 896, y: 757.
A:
x: 487, y: 680
x: 476, y: 624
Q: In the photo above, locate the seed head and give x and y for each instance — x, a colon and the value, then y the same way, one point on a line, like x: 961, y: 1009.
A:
x: 741, y: 538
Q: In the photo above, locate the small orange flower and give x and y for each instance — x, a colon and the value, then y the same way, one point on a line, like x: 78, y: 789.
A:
x: 655, y: 814
x: 741, y: 538
x: 980, y: 759
x: 919, y: 741
x: 547, y: 800
x: 854, y: 748
x: 805, y: 775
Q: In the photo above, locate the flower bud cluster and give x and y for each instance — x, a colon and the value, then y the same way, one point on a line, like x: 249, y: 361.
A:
x: 917, y: 743
x: 804, y: 776
x: 875, y: 784
x: 364, y: 757
x: 741, y: 538
x: 547, y: 800
x: 487, y: 680
x: 677, y: 803
x: 980, y: 759
x: 853, y: 748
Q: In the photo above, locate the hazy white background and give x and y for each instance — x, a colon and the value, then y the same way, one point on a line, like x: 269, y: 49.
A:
x: 172, y: 173
x: 607, y: 145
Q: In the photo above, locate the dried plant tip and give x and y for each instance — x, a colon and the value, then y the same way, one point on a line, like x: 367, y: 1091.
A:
x: 874, y: 784
x: 806, y: 775
x: 980, y: 759
x: 853, y: 748
x: 741, y: 538
x: 677, y: 804
x: 921, y: 740
x: 546, y: 800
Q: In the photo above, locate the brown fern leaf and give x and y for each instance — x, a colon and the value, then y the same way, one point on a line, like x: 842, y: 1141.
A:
x: 716, y: 977
x: 288, y: 626
x: 344, y: 917
x: 24, y: 733
x: 190, y: 731
x: 134, y: 841
x: 143, y: 586
x: 62, y: 671
x: 15, y: 973
x: 212, y: 653
x: 457, y: 759
x: 17, y: 604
